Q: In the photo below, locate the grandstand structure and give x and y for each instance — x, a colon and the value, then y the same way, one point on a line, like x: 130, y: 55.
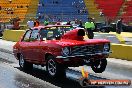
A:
x: 15, y: 8
x: 112, y: 9
x: 127, y: 12
x: 92, y: 10
x: 66, y: 10
x: 62, y: 10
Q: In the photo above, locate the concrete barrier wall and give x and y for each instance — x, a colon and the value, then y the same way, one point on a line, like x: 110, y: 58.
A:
x: 121, y: 51
x: 12, y: 35
x: 126, y: 34
x: 121, y: 39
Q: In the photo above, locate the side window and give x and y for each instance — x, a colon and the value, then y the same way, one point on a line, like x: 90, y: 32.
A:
x: 43, y: 33
x: 27, y: 36
x: 34, y: 35
x: 50, y: 35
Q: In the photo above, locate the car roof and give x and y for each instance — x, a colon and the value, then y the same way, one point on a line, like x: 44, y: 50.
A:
x: 50, y: 26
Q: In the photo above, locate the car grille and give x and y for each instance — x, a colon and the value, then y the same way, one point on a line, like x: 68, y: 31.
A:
x: 89, y: 49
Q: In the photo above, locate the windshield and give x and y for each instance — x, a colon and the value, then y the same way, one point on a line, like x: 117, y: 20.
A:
x: 53, y: 32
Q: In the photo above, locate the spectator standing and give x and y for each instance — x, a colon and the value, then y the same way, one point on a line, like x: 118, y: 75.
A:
x: 2, y: 27
x: 80, y: 24
x: 58, y: 22
x: 93, y: 20
x: 101, y: 14
x: 30, y: 23
x: 77, y: 23
x: 16, y: 25
x: 90, y: 26
x: 46, y: 22
x: 36, y: 23
x: 68, y: 23
x: 119, y: 26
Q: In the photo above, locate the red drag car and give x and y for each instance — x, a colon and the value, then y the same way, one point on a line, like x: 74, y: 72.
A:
x: 59, y: 47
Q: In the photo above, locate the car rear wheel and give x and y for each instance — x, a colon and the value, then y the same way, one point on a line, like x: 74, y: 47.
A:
x: 98, y: 66
x: 24, y: 64
x: 53, y: 68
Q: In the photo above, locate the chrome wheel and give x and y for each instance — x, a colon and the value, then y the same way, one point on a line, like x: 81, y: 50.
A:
x: 51, y: 67
x: 24, y: 65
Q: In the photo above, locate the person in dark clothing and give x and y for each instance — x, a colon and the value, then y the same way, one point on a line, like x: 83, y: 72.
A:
x: 93, y: 20
x: 119, y: 26
x: 58, y: 22
x: 80, y: 24
x: 36, y: 23
x: 68, y: 23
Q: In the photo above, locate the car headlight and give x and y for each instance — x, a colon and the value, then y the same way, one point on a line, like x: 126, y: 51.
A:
x: 65, y: 51
x: 106, y: 47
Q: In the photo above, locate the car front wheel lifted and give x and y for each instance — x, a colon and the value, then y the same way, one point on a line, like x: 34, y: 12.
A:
x: 98, y: 66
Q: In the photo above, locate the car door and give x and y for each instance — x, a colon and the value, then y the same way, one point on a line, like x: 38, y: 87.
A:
x: 25, y: 44
x: 34, y: 46
x: 43, y: 43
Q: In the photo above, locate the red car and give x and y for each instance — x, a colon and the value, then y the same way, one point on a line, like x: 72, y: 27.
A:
x: 59, y: 47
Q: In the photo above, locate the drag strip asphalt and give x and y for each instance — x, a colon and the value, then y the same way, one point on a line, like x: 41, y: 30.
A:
x: 12, y: 78
x: 112, y: 71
